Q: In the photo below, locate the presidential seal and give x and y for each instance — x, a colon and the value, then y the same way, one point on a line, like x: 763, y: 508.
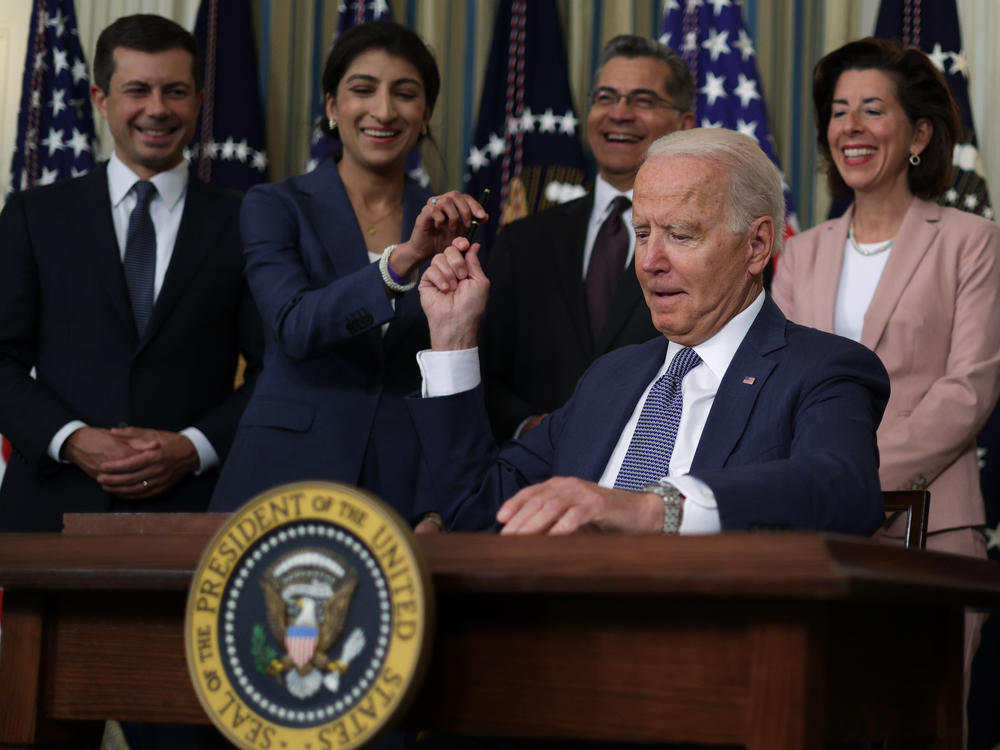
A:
x: 309, y: 619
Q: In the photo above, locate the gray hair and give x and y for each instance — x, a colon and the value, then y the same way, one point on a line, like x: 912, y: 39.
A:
x: 755, y: 187
x: 679, y: 85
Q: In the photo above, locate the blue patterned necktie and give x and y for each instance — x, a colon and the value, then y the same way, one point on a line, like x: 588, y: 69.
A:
x: 140, y: 255
x: 648, y: 456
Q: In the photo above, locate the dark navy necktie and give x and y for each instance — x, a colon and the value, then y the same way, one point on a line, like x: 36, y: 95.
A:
x: 648, y: 457
x: 140, y: 255
x: 607, y: 262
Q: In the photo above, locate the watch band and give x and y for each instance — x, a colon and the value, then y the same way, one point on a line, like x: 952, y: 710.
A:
x: 673, y: 504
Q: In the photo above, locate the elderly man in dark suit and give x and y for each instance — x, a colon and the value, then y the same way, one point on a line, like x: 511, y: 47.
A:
x: 123, y: 290
x: 563, y: 286
x: 733, y: 418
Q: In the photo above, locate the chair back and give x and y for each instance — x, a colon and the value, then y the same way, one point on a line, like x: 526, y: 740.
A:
x: 914, y: 507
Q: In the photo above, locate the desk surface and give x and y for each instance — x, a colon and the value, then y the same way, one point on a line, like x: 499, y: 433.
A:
x: 790, y: 565
x: 766, y: 640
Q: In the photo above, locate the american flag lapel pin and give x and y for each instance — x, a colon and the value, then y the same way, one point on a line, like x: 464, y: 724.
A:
x: 749, y: 380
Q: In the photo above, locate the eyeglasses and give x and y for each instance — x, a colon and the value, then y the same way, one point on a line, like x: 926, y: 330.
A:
x: 641, y: 99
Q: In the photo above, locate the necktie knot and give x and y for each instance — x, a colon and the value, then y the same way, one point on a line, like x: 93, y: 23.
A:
x: 144, y: 191
x: 683, y: 362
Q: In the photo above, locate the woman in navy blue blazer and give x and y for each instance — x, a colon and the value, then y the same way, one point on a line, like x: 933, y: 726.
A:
x: 332, y: 258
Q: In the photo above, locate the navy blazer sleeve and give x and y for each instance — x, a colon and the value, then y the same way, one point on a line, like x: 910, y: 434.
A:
x: 309, y: 297
x: 798, y: 452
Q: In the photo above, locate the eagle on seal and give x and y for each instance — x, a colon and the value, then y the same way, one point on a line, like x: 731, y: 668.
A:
x: 308, y: 595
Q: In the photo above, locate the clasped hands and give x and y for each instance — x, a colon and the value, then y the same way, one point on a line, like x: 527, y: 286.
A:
x: 133, y: 463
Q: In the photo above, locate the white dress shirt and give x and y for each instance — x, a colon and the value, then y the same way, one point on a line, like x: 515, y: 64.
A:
x: 604, y: 194
x: 859, y: 275
x: 165, y: 209
x: 449, y: 372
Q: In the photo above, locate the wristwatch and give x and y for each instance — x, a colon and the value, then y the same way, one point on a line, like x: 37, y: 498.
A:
x: 673, y: 504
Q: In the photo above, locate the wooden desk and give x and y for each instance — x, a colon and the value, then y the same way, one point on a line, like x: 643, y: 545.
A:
x: 771, y: 641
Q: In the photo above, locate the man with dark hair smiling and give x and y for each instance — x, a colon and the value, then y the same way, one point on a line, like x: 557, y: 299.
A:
x: 563, y: 285
x: 123, y: 290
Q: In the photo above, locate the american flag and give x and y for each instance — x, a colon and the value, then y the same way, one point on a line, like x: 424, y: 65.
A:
x: 526, y: 147
x: 712, y: 38
x: 228, y: 148
x: 55, y: 124
x: 354, y: 13
x: 933, y: 27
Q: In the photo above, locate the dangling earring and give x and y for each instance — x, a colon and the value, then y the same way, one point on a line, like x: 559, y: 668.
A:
x: 915, y: 160
x: 333, y: 124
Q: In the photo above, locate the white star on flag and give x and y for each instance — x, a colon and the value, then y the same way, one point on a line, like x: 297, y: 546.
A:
x: 939, y: 58
x: 54, y: 141
x: 951, y: 195
x: 228, y: 149
x: 706, y: 123
x: 477, y: 159
x: 48, y: 176
x: 745, y: 45
x: 57, y: 101
x: 79, y: 142
x: 746, y: 91
x: 567, y: 123
x: 747, y: 128
x: 79, y: 71
x: 713, y: 88
x: 992, y: 537
x: 58, y: 22
x: 527, y: 121
x: 496, y: 145
x: 959, y: 64
x: 716, y: 44
x: 59, y: 60
x: 971, y: 201
x: 547, y: 122
x: 718, y: 5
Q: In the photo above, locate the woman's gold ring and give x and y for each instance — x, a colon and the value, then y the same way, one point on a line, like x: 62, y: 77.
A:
x: 434, y: 201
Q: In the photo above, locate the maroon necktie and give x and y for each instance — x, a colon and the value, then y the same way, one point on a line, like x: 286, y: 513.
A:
x: 607, y: 261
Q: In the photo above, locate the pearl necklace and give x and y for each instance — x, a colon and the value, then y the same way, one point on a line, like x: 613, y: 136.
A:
x: 856, y: 246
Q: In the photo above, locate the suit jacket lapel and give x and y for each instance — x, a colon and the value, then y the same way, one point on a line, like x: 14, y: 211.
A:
x: 826, y: 274
x: 628, y: 296
x: 615, y: 402
x: 735, y: 398
x: 568, y: 230
x: 196, y: 236
x: 917, y: 232
x: 93, y: 209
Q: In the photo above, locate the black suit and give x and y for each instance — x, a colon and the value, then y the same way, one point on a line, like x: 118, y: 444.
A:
x: 536, y: 337
x: 65, y: 310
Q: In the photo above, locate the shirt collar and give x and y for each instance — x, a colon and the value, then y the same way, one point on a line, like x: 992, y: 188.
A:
x: 718, y: 351
x: 604, y: 193
x: 170, y: 184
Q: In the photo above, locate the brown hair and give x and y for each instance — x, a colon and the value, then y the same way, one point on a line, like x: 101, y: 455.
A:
x: 922, y: 93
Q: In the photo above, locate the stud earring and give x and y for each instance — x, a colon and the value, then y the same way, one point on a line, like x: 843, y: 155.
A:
x: 333, y: 124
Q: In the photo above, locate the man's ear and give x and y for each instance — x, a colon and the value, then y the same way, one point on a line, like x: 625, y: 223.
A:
x: 760, y: 244
x: 98, y: 97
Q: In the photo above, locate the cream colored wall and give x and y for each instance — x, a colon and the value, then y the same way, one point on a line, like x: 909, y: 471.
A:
x: 817, y: 27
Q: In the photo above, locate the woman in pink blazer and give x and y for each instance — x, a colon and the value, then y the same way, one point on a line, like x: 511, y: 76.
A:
x: 917, y: 283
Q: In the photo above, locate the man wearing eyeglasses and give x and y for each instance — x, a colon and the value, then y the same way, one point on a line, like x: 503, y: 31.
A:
x: 564, y: 288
